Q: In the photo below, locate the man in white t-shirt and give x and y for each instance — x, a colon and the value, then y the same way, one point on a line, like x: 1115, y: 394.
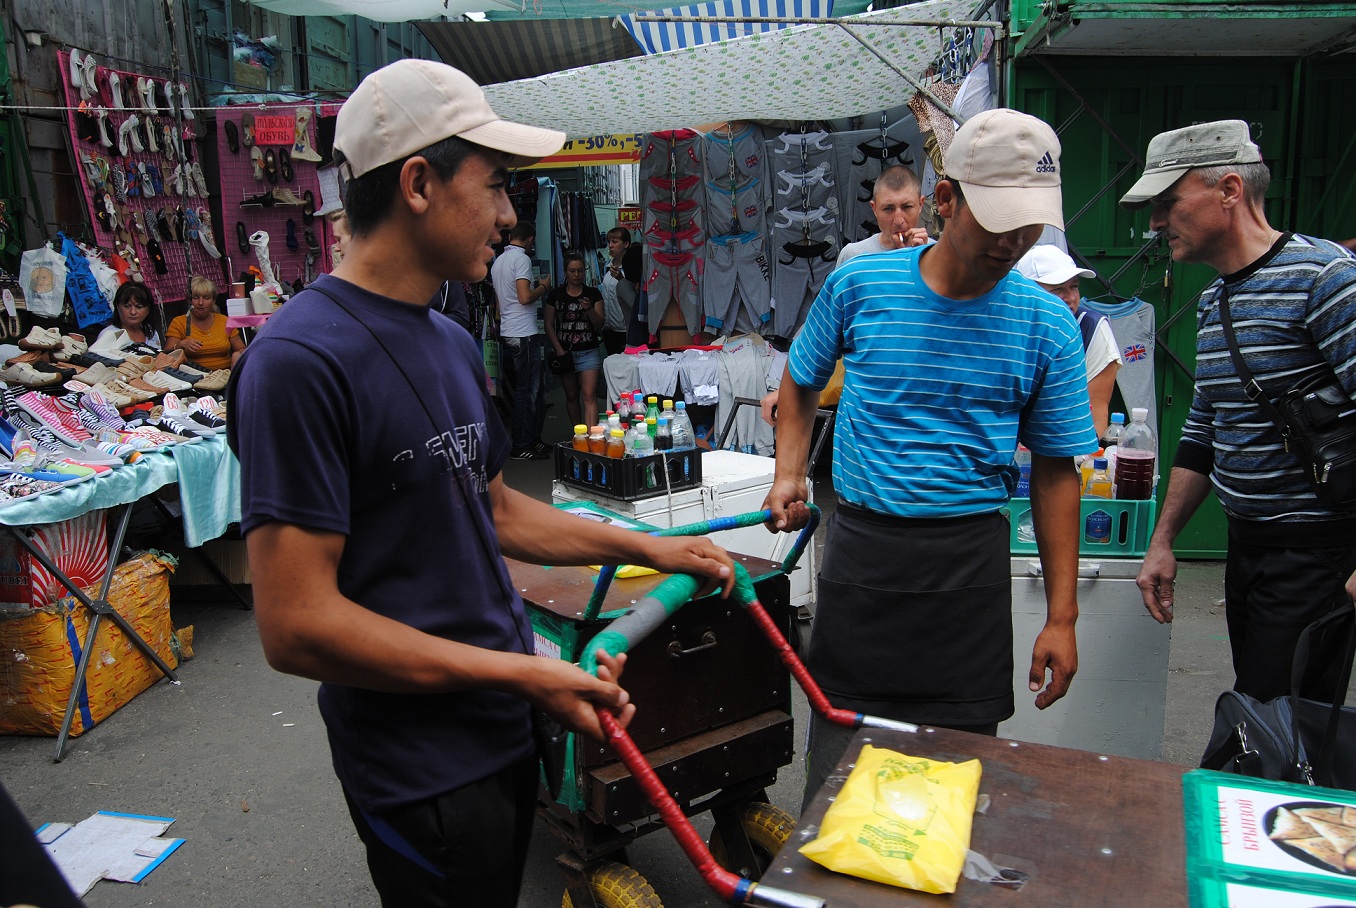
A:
x: 897, y: 203
x: 524, y: 344
x: 1052, y: 268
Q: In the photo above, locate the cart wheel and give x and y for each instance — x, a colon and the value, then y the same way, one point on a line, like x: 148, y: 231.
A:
x: 767, y: 827
x: 618, y: 886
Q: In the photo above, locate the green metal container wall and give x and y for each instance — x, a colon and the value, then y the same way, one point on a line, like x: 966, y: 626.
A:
x: 1098, y: 104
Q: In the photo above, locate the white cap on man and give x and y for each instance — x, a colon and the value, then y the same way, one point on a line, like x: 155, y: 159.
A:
x: 1047, y: 264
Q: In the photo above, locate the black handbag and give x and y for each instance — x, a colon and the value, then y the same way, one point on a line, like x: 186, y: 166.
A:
x: 1316, y: 419
x: 1294, y: 739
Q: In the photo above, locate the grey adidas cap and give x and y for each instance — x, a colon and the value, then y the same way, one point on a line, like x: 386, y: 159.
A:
x: 1172, y: 154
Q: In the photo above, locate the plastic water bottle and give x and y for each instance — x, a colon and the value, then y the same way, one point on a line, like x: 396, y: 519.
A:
x: 1023, y: 461
x: 681, y: 429
x: 668, y: 412
x: 1136, y: 457
x: 663, y: 436
x: 1111, y: 441
x: 642, y: 445
x: 1085, y: 471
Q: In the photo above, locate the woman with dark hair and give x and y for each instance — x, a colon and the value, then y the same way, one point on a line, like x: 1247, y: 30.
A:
x: 573, y: 316
x: 135, y: 313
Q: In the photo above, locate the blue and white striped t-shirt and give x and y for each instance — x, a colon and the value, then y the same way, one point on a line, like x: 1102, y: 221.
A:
x: 1292, y: 311
x: 937, y: 392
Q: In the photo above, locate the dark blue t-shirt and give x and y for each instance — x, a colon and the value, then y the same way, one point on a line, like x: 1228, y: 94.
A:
x: 331, y: 436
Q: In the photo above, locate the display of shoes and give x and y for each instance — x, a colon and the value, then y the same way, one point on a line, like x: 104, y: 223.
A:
x: 41, y: 339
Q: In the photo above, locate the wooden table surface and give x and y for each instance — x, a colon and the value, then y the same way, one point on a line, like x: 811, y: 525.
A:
x: 1088, y: 829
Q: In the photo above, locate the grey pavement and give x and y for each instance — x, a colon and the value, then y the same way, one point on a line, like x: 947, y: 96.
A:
x: 237, y: 753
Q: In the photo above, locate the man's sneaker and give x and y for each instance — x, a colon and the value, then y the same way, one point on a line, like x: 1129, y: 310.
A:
x: 176, y: 424
x: 205, y: 412
x: 56, y: 415
x: 528, y: 454
x: 542, y: 449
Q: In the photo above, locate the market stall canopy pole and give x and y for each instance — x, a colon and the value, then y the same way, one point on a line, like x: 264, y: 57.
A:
x: 808, y: 71
x: 384, y: 10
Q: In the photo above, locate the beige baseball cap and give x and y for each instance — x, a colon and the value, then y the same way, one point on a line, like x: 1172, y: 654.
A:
x: 412, y: 104
x: 1007, y: 163
x: 1172, y: 154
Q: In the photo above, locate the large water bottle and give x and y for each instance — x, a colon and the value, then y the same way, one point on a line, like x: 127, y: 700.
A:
x: 1023, y: 460
x: 684, y: 438
x: 1136, y: 457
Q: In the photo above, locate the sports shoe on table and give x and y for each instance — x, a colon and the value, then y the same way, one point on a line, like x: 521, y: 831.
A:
x: 56, y: 415
x: 41, y: 339
x: 25, y: 375
x: 172, y: 423
x: 205, y: 411
x: 103, y: 408
x: 165, y: 382
x: 214, y: 381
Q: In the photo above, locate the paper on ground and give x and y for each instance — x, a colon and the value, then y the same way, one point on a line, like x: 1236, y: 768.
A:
x: 108, y: 845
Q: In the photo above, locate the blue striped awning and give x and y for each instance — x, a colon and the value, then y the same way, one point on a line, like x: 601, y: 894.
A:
x: 657, y: 37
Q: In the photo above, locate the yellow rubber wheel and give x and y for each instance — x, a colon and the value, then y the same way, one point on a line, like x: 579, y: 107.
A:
x: 615, y: 885
x: 768, y: 829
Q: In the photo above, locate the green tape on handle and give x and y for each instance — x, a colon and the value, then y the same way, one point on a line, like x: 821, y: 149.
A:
x: 645, y: 616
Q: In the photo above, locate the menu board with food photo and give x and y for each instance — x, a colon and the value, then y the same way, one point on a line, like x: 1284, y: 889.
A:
x: 1286, y: 838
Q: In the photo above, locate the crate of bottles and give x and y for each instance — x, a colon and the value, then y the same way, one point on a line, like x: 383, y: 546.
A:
x: 629, y: 478
x: 1110, y: 527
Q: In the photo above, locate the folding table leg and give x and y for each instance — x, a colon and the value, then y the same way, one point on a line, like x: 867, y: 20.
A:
x: 100, y: 608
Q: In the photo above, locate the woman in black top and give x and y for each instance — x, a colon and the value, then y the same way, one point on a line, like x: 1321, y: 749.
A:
x: 574, y: 316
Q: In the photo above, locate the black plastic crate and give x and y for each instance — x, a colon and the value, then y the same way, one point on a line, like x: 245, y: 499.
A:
x: 629, y: 478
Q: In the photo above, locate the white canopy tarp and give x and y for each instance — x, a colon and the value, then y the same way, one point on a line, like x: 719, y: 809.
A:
x: 807, y: 72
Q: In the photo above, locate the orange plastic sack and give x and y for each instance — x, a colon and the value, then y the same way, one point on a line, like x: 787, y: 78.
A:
x: 40, y: 649
x: 900, y: 820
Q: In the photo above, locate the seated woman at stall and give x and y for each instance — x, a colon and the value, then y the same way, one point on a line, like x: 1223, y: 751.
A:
x: 135, y: 315
x: 573, y: 317
x: 1058, y: 274
x: 202, y: 333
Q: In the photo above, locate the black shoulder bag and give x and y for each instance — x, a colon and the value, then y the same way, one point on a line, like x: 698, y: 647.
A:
x: 1316, y: 419
x: 1293, y: 739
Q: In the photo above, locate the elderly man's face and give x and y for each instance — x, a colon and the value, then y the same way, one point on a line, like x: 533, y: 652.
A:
x: 1190, y: 217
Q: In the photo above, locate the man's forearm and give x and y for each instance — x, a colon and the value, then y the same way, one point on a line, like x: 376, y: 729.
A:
x: 1186, y: 490
x: 1055, y: 518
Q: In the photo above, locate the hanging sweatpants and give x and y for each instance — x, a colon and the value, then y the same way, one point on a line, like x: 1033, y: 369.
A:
x: 805, y: 229
x: 737, y: 273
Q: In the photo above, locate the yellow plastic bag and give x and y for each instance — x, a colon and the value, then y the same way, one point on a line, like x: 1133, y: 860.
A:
x: 900, y: 820
x: 627, y: 571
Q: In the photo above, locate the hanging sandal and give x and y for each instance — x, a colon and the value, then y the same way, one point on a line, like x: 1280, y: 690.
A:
x: 257, y: 162
x: 247, y: 130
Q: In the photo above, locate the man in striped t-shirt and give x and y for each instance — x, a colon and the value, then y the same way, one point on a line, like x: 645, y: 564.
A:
x: 1292, y: 300
x: 951, y: 358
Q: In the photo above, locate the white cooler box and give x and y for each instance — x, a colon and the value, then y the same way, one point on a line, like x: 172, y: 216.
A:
x: 732, y: 484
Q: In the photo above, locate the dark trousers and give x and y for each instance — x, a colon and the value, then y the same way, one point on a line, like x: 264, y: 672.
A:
x: 1272, y: 594
x: 525, y: 358
x: 467, y: 847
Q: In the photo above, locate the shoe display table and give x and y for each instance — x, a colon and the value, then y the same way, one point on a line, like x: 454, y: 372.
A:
x: 208, y: 477
x: 1081, y: 828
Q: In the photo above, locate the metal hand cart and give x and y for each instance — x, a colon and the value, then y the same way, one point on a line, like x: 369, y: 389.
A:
x: 713, y: 728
